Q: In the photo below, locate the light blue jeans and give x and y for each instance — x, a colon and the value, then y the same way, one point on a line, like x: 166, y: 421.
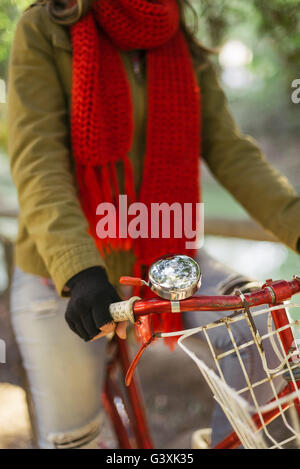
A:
x: 65, y: 373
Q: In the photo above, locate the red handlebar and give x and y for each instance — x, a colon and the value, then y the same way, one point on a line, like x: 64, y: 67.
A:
x: 271, y: 293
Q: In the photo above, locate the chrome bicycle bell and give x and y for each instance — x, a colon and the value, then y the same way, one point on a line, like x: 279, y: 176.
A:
x: 175, y: 277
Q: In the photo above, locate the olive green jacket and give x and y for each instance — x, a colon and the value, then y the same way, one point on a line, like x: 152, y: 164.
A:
x: 53, y: 240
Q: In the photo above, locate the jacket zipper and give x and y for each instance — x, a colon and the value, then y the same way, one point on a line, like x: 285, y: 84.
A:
x: 136, y: 57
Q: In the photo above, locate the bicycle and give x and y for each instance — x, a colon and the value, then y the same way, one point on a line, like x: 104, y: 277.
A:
x: 250, y: 422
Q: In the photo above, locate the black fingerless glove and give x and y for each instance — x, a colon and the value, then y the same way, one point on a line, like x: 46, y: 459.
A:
x: 88, y: 308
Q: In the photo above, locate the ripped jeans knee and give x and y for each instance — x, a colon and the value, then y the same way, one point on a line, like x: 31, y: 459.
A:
x: 86, y: 437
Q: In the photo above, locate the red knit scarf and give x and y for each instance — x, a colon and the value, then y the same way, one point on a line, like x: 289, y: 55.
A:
x: 102, y: 119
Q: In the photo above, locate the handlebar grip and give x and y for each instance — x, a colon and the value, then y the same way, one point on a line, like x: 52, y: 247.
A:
x: 123, y: 310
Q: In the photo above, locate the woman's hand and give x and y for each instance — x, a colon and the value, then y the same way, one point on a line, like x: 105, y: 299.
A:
x: 119, y: 328
x: 88, y: 309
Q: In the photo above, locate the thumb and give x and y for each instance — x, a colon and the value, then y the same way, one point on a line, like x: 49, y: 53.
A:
x: 121, y: 329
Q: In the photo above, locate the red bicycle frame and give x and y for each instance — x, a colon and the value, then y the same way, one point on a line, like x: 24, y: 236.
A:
x: 125, y: 407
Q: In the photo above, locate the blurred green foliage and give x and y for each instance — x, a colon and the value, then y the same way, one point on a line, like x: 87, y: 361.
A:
x: 271, y: 29
x: 274, y: 21
x: 9, y: 13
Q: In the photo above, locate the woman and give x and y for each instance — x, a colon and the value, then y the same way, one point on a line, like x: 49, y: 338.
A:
x: 105, y: 98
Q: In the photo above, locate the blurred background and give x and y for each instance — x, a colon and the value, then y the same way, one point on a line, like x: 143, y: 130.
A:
x: 258, y: 59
